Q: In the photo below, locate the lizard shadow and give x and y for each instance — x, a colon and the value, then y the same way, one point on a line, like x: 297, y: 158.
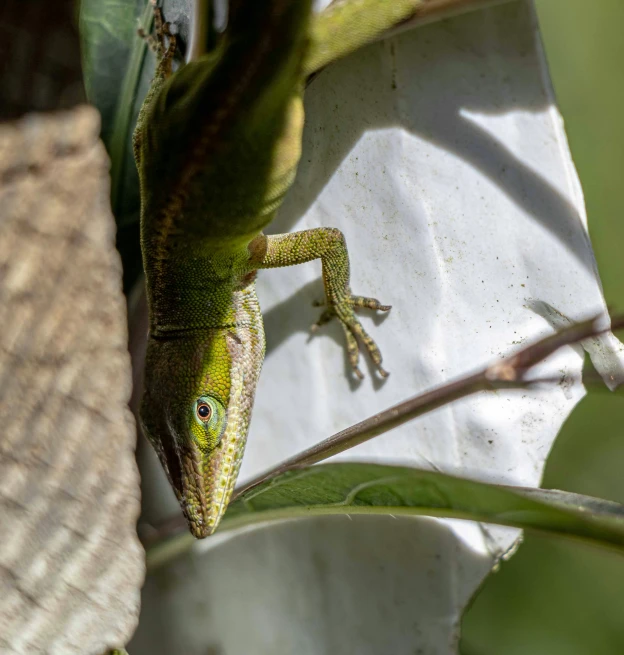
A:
x: 440, y: 109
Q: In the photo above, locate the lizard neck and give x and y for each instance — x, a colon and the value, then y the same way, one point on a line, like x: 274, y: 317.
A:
x: 181, y: 365
x: 200, y: 291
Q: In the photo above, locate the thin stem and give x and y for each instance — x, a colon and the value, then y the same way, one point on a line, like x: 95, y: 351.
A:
x: 378, y: 424
x: 508, y: 373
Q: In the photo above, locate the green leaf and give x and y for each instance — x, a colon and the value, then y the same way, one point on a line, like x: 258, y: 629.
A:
x: 108, y: 34
x: 356, y: 488
x: 117, y: 74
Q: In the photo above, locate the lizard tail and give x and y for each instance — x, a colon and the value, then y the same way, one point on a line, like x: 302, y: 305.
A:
x: 261, y: 53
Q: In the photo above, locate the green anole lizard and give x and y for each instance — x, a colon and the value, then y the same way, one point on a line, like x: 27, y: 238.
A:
x: 217, y: 145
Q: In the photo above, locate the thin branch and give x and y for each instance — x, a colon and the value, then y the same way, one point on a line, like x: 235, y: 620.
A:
x: 509, y: 373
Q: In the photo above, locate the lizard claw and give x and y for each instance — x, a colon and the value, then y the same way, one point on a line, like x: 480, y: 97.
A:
x: 353, y: 330
x: 157, y: 42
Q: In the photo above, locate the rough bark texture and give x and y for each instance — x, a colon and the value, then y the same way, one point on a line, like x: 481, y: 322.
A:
x: 71, y: 566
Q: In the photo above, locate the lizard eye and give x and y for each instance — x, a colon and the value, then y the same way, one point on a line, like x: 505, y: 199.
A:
x: 204, y: 411
x: 208, y: 424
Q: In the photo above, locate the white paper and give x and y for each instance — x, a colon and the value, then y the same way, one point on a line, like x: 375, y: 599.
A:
x: 441, y: 156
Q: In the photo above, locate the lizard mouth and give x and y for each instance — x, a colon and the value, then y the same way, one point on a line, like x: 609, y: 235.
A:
x: 184, y: 470
x: 209, y: 478
x: 206, y: 486
x: 198, y: 497
x: 203, y: 480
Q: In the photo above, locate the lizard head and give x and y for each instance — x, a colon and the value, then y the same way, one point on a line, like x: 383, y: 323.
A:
x: 196, y: 407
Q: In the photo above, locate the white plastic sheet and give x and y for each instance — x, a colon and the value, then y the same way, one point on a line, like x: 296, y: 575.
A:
x: 441, y: 156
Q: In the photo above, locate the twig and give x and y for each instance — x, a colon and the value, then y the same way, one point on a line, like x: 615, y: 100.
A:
x: 508, y: 373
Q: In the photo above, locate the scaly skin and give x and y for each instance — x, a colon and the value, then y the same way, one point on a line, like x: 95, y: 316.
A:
x: 217, y: 146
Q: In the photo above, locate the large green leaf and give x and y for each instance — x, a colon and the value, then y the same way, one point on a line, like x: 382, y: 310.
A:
x: 107, y: 30
x: 355, y: 488
x: 117, y: 74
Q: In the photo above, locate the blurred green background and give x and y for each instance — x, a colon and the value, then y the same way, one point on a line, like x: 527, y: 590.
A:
x: 553, y: 598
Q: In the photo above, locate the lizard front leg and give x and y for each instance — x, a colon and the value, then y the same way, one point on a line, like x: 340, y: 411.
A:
x: 163, y: 43
x: 327, y: 244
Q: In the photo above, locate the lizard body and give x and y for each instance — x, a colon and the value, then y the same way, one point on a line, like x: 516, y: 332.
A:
x: 217, y: 145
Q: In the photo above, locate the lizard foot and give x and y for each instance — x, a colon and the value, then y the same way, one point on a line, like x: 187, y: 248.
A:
x: 163, y: 42
x: 353, y: 330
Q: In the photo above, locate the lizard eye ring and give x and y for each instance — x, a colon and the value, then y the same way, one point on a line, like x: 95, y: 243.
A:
x: 203, y: 411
